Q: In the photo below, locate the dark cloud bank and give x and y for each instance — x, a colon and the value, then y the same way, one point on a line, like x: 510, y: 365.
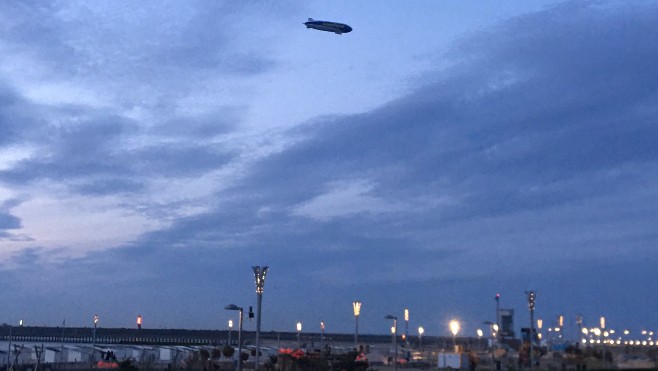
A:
x: 530, y: 164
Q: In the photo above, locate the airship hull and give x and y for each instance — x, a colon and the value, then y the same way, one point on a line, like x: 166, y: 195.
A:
x: 335, y: 27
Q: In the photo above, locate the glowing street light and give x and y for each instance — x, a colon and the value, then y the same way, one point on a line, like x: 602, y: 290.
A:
x: 139, y: 322
x: 356, y: 305
x: 230, y: 329
x: 406, y: 324
x: 93, y: 347
x: 454, y: 329
x: 480, y: 333
x: 241, y: 310
x: 395, y: 338
x: 299, y: 335
x: 532, y: 296
x: 321, y: 337
x: 421, y: 331
x: 259, y: 276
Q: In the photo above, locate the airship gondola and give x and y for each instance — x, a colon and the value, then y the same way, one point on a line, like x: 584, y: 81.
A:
x: 335, y: 27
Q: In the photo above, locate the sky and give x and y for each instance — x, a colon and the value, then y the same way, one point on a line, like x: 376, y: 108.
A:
x: 152, y: 152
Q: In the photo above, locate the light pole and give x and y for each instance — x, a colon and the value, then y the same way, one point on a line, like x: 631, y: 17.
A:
x: 497, y: 339
x: 421, y: 330
x: 531, y: 307
x: 406, y: 325
x: 93, y: 346
x: 241, y: 310
x: 454, y: 329
x: 259, y: 275
x: 394, y: 330
x: 356, y: 305
x: 230, y: 329
x: 321, y: 337
x: 299, y: 335
x: 480, y: 333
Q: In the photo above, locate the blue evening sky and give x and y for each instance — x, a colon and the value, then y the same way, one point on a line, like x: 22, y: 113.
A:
x: 151, y: 152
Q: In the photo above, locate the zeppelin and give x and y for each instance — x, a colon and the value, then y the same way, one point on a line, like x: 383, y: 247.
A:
x: 337, y: 28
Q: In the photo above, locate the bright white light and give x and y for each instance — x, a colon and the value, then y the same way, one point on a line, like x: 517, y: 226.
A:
x: 421, y: 330
x: 479, y: 332
x: 299, y: 326
x: 454, y: 327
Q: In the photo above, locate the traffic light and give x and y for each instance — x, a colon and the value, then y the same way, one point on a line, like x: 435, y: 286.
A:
x: 251, y: 312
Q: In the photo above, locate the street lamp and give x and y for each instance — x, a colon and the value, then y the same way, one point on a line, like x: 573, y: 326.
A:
x: 395, y: 338
x: 356, y: 305
x: 531, y: 307
x: 454, y: 329
x: 241, y: 310
x: 230, y: 329
x: 259, y: 275
x: 299, y: 335
x: 406, y: 325
x: 93, y: 346
x: 480, y: 333
x: 421, y: 330
x: 321, y: 337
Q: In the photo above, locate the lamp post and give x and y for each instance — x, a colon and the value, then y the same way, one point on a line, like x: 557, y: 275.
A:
x: 395, y: 338
x: 139, y: 322
x: 531, y: 307
x: 356, y: 305
x: 299, y: 335
x: 93, y: 346
x: 406, y: 325
x: 421, y: 330
x: 241, y: 310
x: 497, y: 338
x: 259, y: 275
x: 480, y: 333
x: 321, y: 337
x: 454, y: 329
x: 230, y: 329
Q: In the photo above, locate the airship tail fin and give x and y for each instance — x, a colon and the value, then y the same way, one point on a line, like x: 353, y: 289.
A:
x: 310, y: 19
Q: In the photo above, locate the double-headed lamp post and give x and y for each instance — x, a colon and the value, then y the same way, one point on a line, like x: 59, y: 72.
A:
x: 259, y: 275
x: 241, y: 310
x: 356, y: 305
x: 299, y: 335
x: 454, y: 329
x: 394, y: 330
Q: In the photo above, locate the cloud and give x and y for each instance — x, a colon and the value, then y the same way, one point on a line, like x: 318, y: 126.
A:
x: 343, y: 198
x: 532, y: 157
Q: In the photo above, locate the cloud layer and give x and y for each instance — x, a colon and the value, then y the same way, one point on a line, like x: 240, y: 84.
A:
x: 530, y: 162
